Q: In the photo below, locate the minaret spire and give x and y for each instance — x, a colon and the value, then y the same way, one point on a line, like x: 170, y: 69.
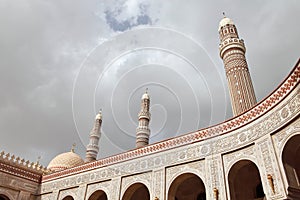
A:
x: 143, y: 131
x: 92, y: 148
x: 232, y: 51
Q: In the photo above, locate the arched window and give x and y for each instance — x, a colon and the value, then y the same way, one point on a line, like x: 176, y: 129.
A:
x: 3, y: 197
x: 244, y: 181
x: 68, y: 198
x: 98, y: 195
x: 187, y: 186
x: 291, y: 163
x: 137, y: 191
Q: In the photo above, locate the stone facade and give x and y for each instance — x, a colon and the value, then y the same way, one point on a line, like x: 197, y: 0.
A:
x: 19, y: 179
x: 259, y: 136
x: 251, y: 156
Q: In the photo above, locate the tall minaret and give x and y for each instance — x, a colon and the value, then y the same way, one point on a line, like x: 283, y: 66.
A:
x: 92, y: 148
x: 232, y: 51
x: 143, y: 131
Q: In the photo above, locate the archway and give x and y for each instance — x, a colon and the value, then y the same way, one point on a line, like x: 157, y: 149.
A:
x: 291, y: 163
x: 187, y: 186
x: 3, y: 197
x: 244, y: 181
x: 137, y: 191
x: 68, y: 198
x: 98, y: 195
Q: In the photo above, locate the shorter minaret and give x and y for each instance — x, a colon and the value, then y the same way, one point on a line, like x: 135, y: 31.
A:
x: 143, y: 131
x: 92, y: 148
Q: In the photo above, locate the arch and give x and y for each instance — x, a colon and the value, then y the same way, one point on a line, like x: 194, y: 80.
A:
x: 244, y: 181
x: 291, y: 164
x: 136, y: 191
x: 3, y: 197
x: 68, y: 198
x: 98, y: 195
x: 187, y: 186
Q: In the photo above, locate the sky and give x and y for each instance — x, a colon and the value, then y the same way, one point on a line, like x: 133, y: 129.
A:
x: 63, y: 61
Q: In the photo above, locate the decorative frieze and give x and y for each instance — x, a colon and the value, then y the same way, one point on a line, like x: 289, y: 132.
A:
x: 258, y: 128
x: 197, y: 167
x: 269, y: 169
x: 144, y: 178
x: 158, y: 183
x: 70, y: 192
x: 105, y: 186
x: 19, y: 167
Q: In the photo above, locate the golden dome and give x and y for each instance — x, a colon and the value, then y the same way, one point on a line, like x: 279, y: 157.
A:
x: 64, y: 161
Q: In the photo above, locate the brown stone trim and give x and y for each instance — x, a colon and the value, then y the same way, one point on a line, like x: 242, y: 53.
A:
x: 15, y: 171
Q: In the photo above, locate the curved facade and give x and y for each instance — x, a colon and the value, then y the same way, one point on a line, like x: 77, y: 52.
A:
x: 263, y: 141
x: 254, y: 155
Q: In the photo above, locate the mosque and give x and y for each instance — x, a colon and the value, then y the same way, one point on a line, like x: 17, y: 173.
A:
x: 254, y: 155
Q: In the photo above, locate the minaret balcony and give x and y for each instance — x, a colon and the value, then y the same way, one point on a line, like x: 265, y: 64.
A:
x: 231, y: 43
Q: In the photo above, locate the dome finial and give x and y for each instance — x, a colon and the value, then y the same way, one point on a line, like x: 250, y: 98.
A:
x: 73, y: 147
x: 38, y: 160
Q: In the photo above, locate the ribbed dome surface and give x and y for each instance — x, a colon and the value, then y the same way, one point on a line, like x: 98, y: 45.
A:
x: 64, y: 161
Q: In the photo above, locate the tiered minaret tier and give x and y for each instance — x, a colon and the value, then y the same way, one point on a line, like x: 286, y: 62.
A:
x: 93, y: 146
x: 232, y: 51
x: 143, y: 131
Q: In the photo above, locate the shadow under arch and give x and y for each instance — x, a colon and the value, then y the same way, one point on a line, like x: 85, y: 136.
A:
x: 291, y: 164
x: 68, y: 198
x: 3, y: 197
x: 244, y: 181
x: 98, y: 195
x: 136, y: 191
x: 187, y: 186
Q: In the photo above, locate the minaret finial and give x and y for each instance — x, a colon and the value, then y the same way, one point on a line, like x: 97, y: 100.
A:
x: 224, y: 15
x: 146, y: 91
x: 73, y: 147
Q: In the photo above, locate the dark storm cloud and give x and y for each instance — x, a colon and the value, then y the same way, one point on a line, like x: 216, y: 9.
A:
x: 44, y: 45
